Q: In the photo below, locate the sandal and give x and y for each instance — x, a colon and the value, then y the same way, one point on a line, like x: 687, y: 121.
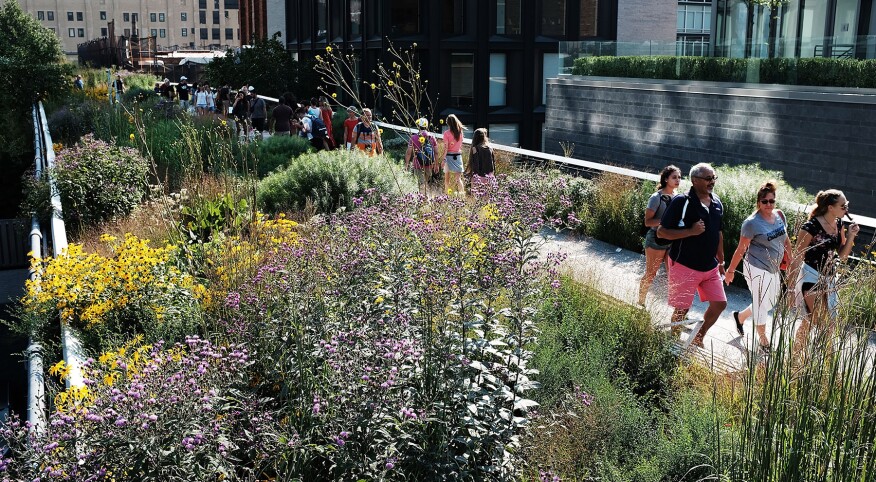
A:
x: 740, y: 328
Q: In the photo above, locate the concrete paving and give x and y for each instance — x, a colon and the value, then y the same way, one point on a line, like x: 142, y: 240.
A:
x: 616, y: 272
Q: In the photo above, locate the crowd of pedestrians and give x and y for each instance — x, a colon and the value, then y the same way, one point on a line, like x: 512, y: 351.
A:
x: 686, y: 231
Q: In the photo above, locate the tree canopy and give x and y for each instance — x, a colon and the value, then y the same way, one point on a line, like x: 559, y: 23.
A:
x: 268, y: 66
x: 32, y: 64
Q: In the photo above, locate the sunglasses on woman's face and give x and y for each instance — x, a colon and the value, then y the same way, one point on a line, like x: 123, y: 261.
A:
x: 767, y: 201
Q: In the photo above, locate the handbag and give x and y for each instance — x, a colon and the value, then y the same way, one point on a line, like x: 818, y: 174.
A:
x: 786, y: 257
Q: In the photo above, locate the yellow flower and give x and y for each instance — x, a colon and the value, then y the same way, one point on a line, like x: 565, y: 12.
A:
x: 373, y: 86
x: 380, y: 131
x: 422, y: 140
x: 397, y: 75
x: 131, y: 137
x: 390, y: 83
x: 328, y: 48
x: 224, y: 123
x: 378, y: 300
x: 334, y: 95
x: 441, y: 121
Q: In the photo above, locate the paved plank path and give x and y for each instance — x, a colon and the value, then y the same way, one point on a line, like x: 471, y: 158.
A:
x: 616, y: 272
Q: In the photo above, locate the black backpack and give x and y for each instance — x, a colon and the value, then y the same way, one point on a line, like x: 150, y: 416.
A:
x: 318, y: 130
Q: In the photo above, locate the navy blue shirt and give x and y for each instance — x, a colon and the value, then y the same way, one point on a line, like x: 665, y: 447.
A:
x: 696, y: 252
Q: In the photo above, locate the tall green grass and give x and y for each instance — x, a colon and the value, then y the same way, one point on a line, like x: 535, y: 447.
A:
x: 643, y: 422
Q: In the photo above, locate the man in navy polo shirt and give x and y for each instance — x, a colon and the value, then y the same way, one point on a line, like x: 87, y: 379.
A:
x: 694, y: 224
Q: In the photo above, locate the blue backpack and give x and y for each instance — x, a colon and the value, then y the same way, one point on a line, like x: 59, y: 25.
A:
x: 426, y: 153
x: 319, y: 130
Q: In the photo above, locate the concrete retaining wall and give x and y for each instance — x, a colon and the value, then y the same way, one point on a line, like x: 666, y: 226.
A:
x: 819, y: 137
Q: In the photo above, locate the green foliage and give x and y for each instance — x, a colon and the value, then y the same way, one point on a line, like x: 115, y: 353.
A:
x: 613, y: 210
x: 610, y: 408
x: 73, y: 120
x: 275, y: 152
x: 268, y: 66
x: 330, y: 181
x: 99, y: 181
x: 804, y: 71
x: 31, y: 59
x: 204, y: 218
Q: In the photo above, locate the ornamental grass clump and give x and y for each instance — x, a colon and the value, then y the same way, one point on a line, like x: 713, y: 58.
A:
x: 99, y: 181
x: 396, y: 338
x: 149, y: 413
x: 137, y: 290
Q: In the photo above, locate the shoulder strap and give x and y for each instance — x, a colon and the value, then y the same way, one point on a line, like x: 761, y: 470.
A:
x: 782, y: 215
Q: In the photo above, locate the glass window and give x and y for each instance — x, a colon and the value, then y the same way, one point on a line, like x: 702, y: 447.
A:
x: 306, y: 19
x: 202, y: 4
x: 452, y: 20
x: 508, y: 17
x: 216, y: 4
x: 202, y: 17
x: 461, y: 80
x: 203, y: 34
x: 79, y: 16
x: 589, y: 18
x: 161, y: 17
x: 162, y: 33
x: 103, y: 32
x: 153, y: 17
x: 355, y: 18
x: 214, y: 34
x: 71, y: 32
x: 550, y: 69
x: 504, y: 134
x: 127, y: 32
x: 80, y: 32
x: 694, y: 18
x: 184, y: 32
x: 183, y: 16
x: 153, y: 32
x: 336, y: 15
x: 229, y: 34
x: 498, y: 79
x: 42, y: 15
x: 553, y: 18
x: 135, y: 17
x: 320, y: 19
x: 232, y: 4
x: 69, y: 16
x: 405, y: 17
x: 50, y: 15
x: 374, y: 20
x: 102, y: 15
x: 215, y: 17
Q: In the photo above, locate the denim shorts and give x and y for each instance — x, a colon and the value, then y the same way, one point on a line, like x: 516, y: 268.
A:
x: 454, y: 162
x: 651, y: 241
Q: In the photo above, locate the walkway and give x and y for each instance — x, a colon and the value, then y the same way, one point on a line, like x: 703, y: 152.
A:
x: 616, y: 272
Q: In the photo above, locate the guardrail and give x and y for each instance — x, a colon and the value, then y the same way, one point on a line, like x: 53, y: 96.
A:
x: 44, y: 160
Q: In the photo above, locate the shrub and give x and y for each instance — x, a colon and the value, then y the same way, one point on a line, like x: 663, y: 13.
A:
x: 804, y: 71
x: 387, y: 333
x: 70, y: 122
x: 136, y: 290
x: 330, y: 181
x: 149, y: 413
x: 99, y: 181
x: 614, y: 212
x: 610, y: 407
x: 275, y: 152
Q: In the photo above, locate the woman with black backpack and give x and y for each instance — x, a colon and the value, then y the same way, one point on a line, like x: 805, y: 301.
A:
x: 656, y: 249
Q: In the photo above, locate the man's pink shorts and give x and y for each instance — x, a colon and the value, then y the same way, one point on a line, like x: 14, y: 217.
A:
x: 683, y: 282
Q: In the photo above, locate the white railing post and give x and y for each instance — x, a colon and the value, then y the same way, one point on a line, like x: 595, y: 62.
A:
x: 36, y: 388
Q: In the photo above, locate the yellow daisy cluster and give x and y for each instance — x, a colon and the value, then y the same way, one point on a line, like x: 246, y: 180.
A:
x: 85, y: 287
x: 277, y: 231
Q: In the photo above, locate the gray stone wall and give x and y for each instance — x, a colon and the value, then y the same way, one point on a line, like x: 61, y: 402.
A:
x: 819, y: 137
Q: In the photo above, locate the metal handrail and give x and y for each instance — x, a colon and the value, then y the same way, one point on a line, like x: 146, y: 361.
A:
x: 44, y: 160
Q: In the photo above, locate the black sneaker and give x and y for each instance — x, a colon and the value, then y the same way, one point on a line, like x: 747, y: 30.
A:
x: 740, y: 328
